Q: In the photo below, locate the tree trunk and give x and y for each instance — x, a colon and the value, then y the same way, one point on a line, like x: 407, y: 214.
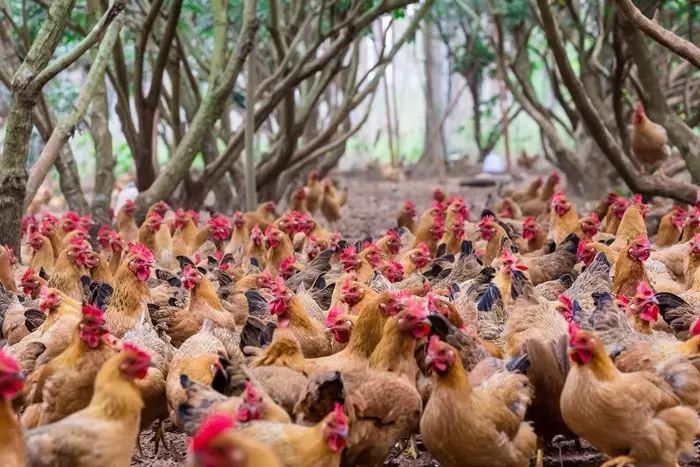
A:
x: 65, y: 128
x: 434, y: 152
x: 25, y: 90
x: 102, y: 137
x: 644, y: 184
x: 209, y: 110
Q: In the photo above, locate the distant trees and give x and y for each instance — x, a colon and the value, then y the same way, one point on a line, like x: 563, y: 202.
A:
x: 174, y: 70
x: 598, y: 62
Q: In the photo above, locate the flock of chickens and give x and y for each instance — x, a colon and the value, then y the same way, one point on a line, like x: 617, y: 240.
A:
x: 273, y: 341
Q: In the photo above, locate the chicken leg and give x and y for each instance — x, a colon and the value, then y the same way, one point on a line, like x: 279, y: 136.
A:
x: 619, y: 461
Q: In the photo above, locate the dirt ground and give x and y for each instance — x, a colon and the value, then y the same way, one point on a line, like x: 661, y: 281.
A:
x: 373, y: 204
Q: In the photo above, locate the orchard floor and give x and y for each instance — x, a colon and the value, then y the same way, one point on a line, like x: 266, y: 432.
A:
x: 370, y: 210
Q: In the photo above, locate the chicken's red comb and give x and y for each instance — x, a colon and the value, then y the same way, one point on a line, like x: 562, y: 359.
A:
x: 696, y: 239
x: 486, y: 220
x: 582, y: 245
x: 644, y: 290
x: 211, y: 427
x: 409, y: 204
x: 287, y: 263
x: 695, y: 328
x: 637, y: 198
x: 279, y: 288
x: 594, y: 218
x: 622, y: 299
x: 393, y: 233
x: 566, y: 300
x: 27, y: 274
x: 71, y: 215
x: 8, y: 363
x: 529, y: 221
x: 339, y: 412
x: 434, y: 344
x: 137, y: 351
x: 642, y: 238
x: 555, y: 177
x: 573, y: 331
x: 348, y: 252
x: 141, y: 250
x: 333, y: 315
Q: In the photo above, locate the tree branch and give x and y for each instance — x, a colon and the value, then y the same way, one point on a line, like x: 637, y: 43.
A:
x: 65, y: 128
x: 83, y: 46
x: 663, y: 36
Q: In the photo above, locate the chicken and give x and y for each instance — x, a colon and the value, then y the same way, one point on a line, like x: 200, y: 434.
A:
x: 182, y: 322
x: 671, y: 227
x: 595, y: 278
x: 297, y: 200
x: 616, y: 210
x: 629, y: 268
x: 239, y: 237
x: 129, y: 300
x: 330, y: 203
x: 201, y: 358
x: 563, y: 218
x: 42, y: 253
x: 218, y: 443
x: 185, y: 232
x: 529, y: 193
x: 553, y: 265
x: 126, y: 224
x: 494, y: 235
x: 648, y: 141
x: 12, y: 449
x: 53, y: 335
x: 464, y: 425
x: 256, y: 246
x: 531, y: 317
x: 106, y: 430
x: 430, y: 228
x: 314, y: 191
x: 310, y: 332
x: 248, y: 404
x: 155, y: 234
x: 538, y: 206
x: 264, y: 215
x: 319, y: 445
x: 406, y: 216
x: 454, y: 235
x: 376, y: 426
x: 465, y: 267
x: 15, y: 322
x: 533, y: 235
x: 632, y: 224
x: 279, y: 248
x: 71, y: 264
x: 64, y: 385
x: 634, y: 417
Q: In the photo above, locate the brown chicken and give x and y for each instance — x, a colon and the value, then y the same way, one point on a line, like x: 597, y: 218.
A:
x: 539, y: 206
x: 129, y: 301
x: 563, y: 218
x: 42, y: 253
x: 218, y: 443
x: 632, y: 224
x: 635, y: 418
x: 204, y: 303
x: 65, y: 384
x: 290, y: 313
x: 185, y: 232
x: 629, y: 268
x: 529, y: 193
x: 319, y: 445
x: 648, y: 141
x: 314, y: 191
x: 107, y: 428
x: 406, y: 217
x: 126, y: 224
x: 430, y: 228
x: 494, y: 234
x: 7, y: 261
x: 12, y: 448
x: 552, y: 266
x: 671, y: 227
x: 616, y: 210
x: 279, y: 248
x: 533, y: 235
x: 464, y: 425
x: 200, y: 358
x: 331, y: 203
x: 71, y: 264
x: 239, y: 237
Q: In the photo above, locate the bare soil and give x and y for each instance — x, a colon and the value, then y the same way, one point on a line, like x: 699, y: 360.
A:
x: 370, y: 210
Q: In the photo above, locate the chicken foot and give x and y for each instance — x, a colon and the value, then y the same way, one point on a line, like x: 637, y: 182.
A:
x: 411, y: 447
x: 159, y: 437
x: 619, y: 461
